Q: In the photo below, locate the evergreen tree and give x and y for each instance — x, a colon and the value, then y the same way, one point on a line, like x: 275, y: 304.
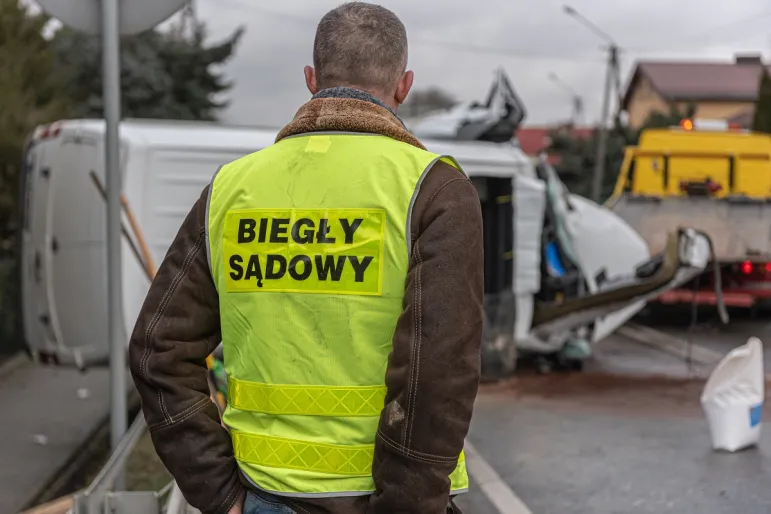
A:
x: 162, y: 75
x: 423, y: 101
x: 30, y: 94
x: 659, y: 119
x: 577, y: 156
x: 762, y: 119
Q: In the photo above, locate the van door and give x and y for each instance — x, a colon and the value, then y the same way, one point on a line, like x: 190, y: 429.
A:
x: 498, y: 340
x: 26, y: 256
x: 77, y: 253
x: 38, y: 323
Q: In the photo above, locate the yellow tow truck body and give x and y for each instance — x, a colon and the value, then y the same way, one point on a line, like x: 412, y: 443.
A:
x: 711, y: 178
x: 739, y: 161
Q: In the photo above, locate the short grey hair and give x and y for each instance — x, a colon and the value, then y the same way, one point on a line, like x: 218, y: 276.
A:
x: 360, y: 44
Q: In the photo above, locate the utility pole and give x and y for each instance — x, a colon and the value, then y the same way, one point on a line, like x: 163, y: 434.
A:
x: 602, y: 140
x: 612, y: 80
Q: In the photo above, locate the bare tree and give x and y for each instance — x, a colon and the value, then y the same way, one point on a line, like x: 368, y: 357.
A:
x: 427, y: 100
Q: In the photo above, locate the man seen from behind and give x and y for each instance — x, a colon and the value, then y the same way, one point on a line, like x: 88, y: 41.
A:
x: 341, y: 268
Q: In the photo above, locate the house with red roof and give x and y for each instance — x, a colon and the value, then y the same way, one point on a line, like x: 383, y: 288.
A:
x: 718, y: 90
x: 535, y: 139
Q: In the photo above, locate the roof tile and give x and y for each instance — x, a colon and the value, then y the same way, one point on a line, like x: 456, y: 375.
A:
x: 703, y: 80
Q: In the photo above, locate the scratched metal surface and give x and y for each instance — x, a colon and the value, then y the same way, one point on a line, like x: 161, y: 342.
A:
x: 738, y: 231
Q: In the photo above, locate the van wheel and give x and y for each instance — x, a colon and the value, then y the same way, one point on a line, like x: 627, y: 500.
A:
x: 575, y: 365
x: 566, y: 365
x: 544, y: 365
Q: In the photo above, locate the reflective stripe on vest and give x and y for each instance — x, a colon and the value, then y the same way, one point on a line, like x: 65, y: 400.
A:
x: 334, y: 459
x: 307, y: 400
x: 308, y: 244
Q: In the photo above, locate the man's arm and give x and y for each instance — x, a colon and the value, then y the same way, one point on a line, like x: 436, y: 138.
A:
x: 177, y: 328
x: 433, y: 371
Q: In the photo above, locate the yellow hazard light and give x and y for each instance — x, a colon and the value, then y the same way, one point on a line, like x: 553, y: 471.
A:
x: 686, y: 124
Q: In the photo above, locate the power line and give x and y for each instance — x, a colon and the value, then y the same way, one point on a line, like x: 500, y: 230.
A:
x: 712, y: 33
x: 507, y: 52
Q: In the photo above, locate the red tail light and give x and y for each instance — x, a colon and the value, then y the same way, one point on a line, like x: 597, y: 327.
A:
x: 49, y: 132
x: 707, y: 187
x: 747, y: 267
x: 768, y: 267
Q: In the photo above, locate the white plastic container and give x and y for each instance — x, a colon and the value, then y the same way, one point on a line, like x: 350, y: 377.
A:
x: 733, y: 398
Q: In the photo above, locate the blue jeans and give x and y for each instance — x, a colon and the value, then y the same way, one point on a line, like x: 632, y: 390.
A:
x: 264, y: 503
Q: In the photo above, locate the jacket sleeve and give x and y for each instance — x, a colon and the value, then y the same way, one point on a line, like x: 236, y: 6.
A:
x: 434, y: 368
x: 177, y: 328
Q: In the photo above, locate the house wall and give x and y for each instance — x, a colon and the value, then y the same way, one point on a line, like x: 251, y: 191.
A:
x: 722, y: 110
x: 644, y: 100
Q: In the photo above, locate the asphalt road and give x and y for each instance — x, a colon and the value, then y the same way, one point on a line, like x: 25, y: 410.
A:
x: 46, y: 415
x: 710, y: 333
x: 625, y: 437
x: 564, y: 458
x: 617, y: 439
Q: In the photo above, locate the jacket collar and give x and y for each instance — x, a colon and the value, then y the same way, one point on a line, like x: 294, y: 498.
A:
x: 356, y: 94
x: 347, y: 110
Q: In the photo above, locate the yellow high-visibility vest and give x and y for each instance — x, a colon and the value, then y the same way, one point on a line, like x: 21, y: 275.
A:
x: 309, y: 245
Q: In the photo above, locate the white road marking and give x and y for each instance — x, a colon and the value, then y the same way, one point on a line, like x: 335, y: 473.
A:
x: 673, y: 345
x: 492, y: 485
x: 676, y: 346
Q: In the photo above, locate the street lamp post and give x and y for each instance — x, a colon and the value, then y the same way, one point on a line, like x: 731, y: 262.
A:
x: 577, y: 102
x: 602, y: 140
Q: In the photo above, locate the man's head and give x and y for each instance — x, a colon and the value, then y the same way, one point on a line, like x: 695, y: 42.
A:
x: 363, y: 46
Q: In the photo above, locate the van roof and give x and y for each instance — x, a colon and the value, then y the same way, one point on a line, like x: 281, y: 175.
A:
x: 477, y: 157
x: 178, y: 133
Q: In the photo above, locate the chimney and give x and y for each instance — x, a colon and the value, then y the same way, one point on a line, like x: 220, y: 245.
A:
x: 751, y: 59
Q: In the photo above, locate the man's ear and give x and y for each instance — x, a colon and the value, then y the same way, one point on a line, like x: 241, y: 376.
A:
x: 310, y: 80
x: 403, y: 87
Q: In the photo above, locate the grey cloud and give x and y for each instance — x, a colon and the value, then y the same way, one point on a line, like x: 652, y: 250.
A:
x: 268, y: 67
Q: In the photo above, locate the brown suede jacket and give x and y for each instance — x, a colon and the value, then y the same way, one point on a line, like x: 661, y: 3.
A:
x: 433, y: 370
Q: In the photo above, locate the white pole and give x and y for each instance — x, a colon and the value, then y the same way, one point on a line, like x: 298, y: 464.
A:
x: 111, y: 92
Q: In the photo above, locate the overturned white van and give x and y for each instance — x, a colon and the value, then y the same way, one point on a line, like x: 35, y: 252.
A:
x: 555, y: 263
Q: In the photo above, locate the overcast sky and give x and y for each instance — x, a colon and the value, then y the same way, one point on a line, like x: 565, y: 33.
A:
x: 458, y: 44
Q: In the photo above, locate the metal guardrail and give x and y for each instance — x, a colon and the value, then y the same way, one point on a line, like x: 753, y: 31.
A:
x: 101, y: 498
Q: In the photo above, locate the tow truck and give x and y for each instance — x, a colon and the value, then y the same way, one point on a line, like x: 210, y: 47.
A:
x: 712, y: 177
